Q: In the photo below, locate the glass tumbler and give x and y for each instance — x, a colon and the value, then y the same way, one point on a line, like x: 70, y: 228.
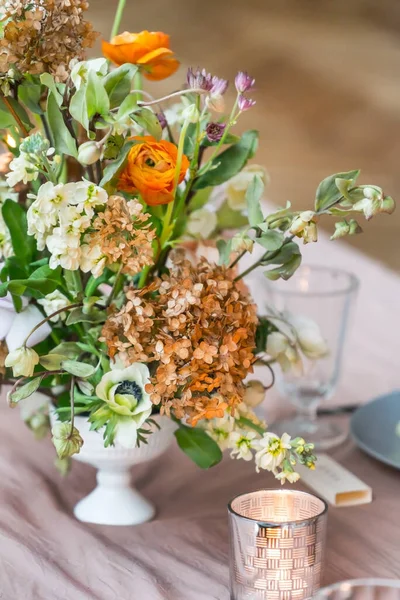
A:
x: 317, y: 303
x: 277, y: 545
x: 361, y: 589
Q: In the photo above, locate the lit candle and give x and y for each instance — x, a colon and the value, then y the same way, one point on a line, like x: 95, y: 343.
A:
x: 277, y: 543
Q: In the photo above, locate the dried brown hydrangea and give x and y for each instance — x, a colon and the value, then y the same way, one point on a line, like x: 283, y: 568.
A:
x: 198, y: 328
x: 43, y: 36
x: 123, y: 236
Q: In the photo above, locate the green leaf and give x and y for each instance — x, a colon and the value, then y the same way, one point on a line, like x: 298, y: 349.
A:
x: 271, y: 240
x: 229, y: 139
x: 264, y: 328
x: 63, y: 140
x: 118, y: 83
x: 328, y: 193
x: 67, y: 349
x: 147, y: 119
x: 78, y: 107
x: 114, y: 167
x: 230, y: 162
x: 6, y: 118
x: 44, y: 286
x: 229, y: 218
x: 45, y: 272
x: 78, y: 369
x: 200, y: 199
x: 21, y: 112
x: 29, y: 94
x: 253, y: 196
x: 190, y: 140
x: 97, y: 99
x: 289, y: 259
x: 78, y: 316
x: 15, y: 218
x: 25, y: 390
x: 127, y: 107
x: 48, y: 80
x: 52, y: 361
x: 199, y: 446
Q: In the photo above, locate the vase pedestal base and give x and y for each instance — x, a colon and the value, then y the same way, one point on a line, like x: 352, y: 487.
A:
x: 114, y: 502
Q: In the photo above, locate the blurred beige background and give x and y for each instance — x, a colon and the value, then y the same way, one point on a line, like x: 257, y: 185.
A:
x: 328, y: 86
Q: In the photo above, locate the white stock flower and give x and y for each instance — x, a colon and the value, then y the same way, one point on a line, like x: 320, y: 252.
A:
x: 6, y: 193
x: 43, y: 213
x: 241, y: 444
x: 72, y: 220
x: 53, y: 302
x: 21, y: 170
x: 64, y: 249
x: 219, y: 429
x: 6, y: 247
x: 22, y: 361
x: 280, y: 348
x: 237, y: 186
x: 85, y: 195
x: 271, y: 451
x: 124, y: 392
x: 93, y: 260
x: 309, y: 336
x: 290, y: 476
x: 202, y: 223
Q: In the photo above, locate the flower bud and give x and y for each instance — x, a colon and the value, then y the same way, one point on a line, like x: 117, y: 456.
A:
x: 243, y: 82
x: 254, y: 393
x: 23, y: 361
x: 89, y: 153
x: 245, y: 103
x: 66, y: 442
x: 241, y: 242
x: 191, y: 113
x: 304, y: 226
x: 216, y: 103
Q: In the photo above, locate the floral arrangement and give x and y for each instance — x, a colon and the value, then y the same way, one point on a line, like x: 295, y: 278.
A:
x: 107, y: 193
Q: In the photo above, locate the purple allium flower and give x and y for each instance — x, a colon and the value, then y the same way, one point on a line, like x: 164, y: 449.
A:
x: 245, y: 103
x: 215, y: 131
x: 200, y: 79
x: 162, y: 120
x: 243, y: 82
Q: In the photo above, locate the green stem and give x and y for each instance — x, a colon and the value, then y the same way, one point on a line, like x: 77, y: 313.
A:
x: 72, y: 401
x: 267, y: 256
x: 249, y: 423
x: 170, y: 208
x: 115, y: 286
x: 54, y: 314
x: 118, y: 18
x: 143, y: 277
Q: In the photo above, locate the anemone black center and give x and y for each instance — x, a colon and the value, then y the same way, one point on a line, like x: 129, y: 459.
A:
x: 130, y: 387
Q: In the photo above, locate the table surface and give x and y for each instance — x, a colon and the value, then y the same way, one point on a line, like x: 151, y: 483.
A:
x: 45, y: 554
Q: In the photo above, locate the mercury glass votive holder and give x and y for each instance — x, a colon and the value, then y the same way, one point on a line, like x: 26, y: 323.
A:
x: 277, y: 545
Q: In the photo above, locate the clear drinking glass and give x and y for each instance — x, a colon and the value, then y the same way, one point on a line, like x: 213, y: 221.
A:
x: 318, y: 301
x: 362, y: 589
x: 277, y: 545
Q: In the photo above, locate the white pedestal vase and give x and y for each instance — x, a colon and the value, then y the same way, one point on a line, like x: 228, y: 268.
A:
x: 114, y: 501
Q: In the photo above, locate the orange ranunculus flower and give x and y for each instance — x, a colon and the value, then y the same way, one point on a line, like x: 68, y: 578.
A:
x: 149, y: 50
x: 150, y: 170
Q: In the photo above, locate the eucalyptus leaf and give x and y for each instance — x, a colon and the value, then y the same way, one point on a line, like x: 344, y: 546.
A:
x: 199, y: 446
x: 230, y: 162
x: 286, y: 270
x: 253, y: 196
x: 63, y: 140
x: 328, y: 193
x: 224, y: 249
x: 25, y: 390
x: 78, y: 369
x: 118, y: 84
x: 270, y: 240
x: 147, y: 119
x: 52, y: 362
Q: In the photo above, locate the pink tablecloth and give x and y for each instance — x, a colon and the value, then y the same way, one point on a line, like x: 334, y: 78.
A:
x: 45, y: 554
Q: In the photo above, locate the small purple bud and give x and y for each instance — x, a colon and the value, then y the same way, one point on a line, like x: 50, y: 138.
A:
x: 162, y: 120
x: 243, y: 82
x: 245, y: 103
x: 199, y: 79
x: 215, y: 131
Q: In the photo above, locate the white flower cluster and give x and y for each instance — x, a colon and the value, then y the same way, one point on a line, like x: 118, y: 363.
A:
x: 59, y: 219
x: 34, y: 157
